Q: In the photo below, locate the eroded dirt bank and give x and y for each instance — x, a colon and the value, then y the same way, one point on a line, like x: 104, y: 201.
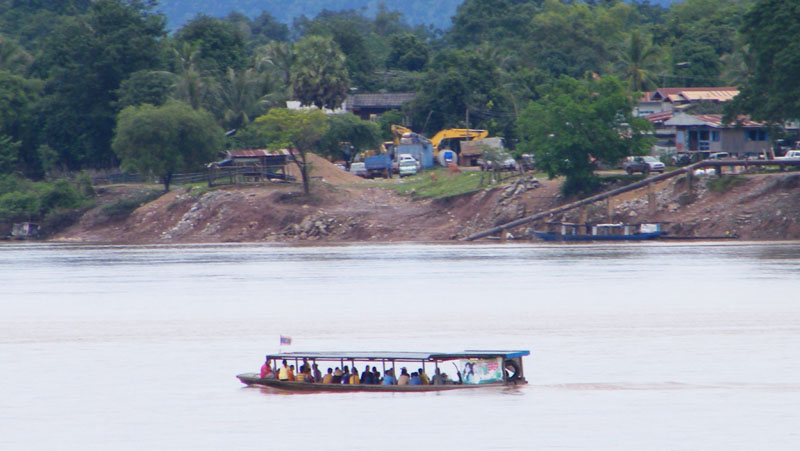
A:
x: 760, y: 207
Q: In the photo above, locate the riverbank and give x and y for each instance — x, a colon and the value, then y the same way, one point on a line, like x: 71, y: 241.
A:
x: 348, y: 209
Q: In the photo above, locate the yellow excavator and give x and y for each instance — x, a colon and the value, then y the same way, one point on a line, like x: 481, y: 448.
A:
x: 449, y: 138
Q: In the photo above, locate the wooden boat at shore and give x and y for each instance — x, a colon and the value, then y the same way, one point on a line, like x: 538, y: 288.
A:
x: 474, y: 369
x: 564, y: 231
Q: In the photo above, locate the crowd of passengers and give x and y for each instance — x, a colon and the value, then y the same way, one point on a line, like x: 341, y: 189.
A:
x: 311, y: 373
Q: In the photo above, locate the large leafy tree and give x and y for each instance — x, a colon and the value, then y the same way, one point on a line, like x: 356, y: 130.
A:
x: 319, y: 75
x: 220, y: 43
x: 772, y: 93
x: 86, y: 59
x: 301, y: 131
x: 578, y: 121
x: 167, y: 139
x: 349, y: 135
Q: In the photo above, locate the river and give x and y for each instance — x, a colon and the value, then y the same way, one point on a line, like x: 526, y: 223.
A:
x: 662, y: 346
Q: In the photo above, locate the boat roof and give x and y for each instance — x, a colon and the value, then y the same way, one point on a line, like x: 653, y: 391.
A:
x: 400, y: 356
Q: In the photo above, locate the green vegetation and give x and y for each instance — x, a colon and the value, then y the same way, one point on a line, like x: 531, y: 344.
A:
x: 71, y: 71
x: 301, y: 131
x: 438, y: 184
x: 25, y: 200
x: 122, y: 208
x: 166, y: 139
x: 724, y: 184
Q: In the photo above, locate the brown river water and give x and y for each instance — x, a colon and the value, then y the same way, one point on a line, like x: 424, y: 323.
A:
x: 658, y: 346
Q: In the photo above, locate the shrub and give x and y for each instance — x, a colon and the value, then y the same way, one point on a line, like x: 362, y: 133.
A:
x: 724, y: 184
x: 124, y: 207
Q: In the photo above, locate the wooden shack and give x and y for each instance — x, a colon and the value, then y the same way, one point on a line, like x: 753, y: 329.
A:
x: 249, y: 166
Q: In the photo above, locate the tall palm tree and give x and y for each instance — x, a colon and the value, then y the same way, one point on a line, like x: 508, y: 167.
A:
x: 190, y: 85
x: 640, y: 61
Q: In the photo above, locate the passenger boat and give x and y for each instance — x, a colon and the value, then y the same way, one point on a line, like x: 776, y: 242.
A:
x: 473, y: 369
x: 564, y: 231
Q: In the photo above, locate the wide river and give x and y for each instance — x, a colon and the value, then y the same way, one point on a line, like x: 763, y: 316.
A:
x: 658, y: 346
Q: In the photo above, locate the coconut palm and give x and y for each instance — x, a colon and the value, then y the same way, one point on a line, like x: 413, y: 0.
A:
x: 190, y: 85
x: 640, y: 61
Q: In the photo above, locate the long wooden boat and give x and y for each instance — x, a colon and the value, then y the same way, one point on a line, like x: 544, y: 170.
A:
x: 473, y: 369
x: 563, y: 231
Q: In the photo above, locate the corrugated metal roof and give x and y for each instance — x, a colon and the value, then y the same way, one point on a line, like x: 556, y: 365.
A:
x: 385, y: 100
x: 711, y: 120
x: 656, y: 118
x: 718, y: 93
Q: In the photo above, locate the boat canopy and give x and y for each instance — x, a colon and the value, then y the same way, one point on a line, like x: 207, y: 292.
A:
x: 400, y: 356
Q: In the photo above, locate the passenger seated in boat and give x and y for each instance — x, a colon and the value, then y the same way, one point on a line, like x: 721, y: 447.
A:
x: 328, y: 379
x: 376, y: 376
x: 423, y: 377
x: 307, y: 376
x: 438, y: 379
x: 337, y: 376
x: 354, y: 380
x: 404, y: 377
x: 283, y: 373
x: 415, y: 379
x: 291, y: 373
x: 317, y: 373
x: 266, y: 371
x: 389, y: 379
x: 366, y: 377
x: 303, y: 367
x: 346, y: 375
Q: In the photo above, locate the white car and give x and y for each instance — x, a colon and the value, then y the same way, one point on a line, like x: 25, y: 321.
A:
x: 790, y: 155
x: 408, y: 158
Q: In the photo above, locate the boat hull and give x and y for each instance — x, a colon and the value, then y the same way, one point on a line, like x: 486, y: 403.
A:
x: 550, y: 236
x: 253, y: 379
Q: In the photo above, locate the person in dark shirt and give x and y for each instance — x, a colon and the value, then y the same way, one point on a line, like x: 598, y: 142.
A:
x: 346, y: 375
x: 366, y: 377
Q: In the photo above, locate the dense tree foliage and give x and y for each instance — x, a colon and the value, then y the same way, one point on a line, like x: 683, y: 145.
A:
x: 773, y: 92
x: 579, y: 121
x: 164, y: 140
x: 319, y: 75
x: 68, y: 67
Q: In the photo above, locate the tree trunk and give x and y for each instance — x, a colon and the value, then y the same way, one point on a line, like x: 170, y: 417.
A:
x: 167, y: 179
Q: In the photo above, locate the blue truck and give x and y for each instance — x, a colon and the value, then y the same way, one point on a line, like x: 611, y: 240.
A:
x: 378, y: 166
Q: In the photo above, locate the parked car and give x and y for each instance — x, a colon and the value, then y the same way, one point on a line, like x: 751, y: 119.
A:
x: 407, y: 157
x: 359, y: 169
x: 509, y: 164
x: 719, y: 156
x: 407, y: 167
x: 790, y: 155
x: 645, y: 165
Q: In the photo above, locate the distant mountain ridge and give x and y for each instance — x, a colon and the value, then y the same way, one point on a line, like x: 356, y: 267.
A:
x: 416, y: 12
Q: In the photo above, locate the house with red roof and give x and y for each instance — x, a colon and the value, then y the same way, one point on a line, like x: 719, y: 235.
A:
x: 664, y: 100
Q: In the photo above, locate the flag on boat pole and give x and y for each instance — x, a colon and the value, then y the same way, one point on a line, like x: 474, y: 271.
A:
x: 286, y: 341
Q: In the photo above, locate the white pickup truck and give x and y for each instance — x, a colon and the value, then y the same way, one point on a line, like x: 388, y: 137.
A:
x: 790, y: 155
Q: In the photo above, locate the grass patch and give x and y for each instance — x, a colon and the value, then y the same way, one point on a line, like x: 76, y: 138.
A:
x: 439, y: 186
x: 724, y: 184
x: 122, y: 208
